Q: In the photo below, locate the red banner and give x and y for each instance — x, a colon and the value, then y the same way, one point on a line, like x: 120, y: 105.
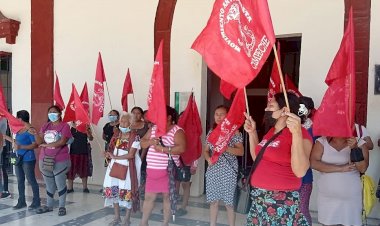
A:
x: 226, y: 89
x: 222, y: 134
x: 237, y: 40
x: 274, y: 80
x: 70, y: 109
x: 81, y: 114
x: 98, y: 97
x: 336, y: 114
x: 127, y: 89
x: 14, y: 124
x: 156, y: 96
x: 291, y: 87
x: 84, y: 98
x: 191, y: 123
x: 57, y: 94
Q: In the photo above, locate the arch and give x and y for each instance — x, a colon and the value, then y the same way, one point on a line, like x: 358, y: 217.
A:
x: 162, y: 30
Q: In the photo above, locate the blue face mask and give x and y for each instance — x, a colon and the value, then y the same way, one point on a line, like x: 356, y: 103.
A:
x: 112, y: 118
x: 53, y: 117
x: 124, y: 130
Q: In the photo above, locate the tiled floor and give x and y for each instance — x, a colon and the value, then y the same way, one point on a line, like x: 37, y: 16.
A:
x: 87, y: 209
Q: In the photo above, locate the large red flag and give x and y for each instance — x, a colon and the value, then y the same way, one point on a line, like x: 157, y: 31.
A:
x: 291, y: 87
x: 84, y: 98
x: 222, y: 134
x: 335, y: 116
x: 57, y: 94
x: 237, y: 40
x: 226, y: 89
x: 70, y: 109
x: 156, y: 97
x: 275, y: 81
x: 127, y: 89
x: 98, y: 97
x: 14, y: 124
x: 191, y: 123
x: 81, y: 114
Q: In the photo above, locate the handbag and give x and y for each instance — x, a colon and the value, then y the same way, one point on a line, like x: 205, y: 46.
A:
x: 243, y: 190
x: 48, y: 162
x: 17, y: 159
x: 369, y: 197
x: 356, y: 155
x: 182, y: 173
x: 118, y: 170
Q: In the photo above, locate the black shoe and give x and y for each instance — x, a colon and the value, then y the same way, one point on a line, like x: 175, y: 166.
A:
x: 86, y: 190
x: 70, y: 191
x: 34, y: 206
x: 19, y: 206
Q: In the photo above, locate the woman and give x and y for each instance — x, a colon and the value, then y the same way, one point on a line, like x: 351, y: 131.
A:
x: 277, y: 177
x: 117, y: 192
x: 339, y: 186
x: 110, y: 127
x: 80, y: 151
x: 172, y: 143
x: 221, y: 176
x: 140, y: 127
x: 24, y: 146
x: 305, y: 111
x: 52, y: 139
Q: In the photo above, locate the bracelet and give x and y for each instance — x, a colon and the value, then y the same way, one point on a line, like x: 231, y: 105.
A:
x: 170, y: 150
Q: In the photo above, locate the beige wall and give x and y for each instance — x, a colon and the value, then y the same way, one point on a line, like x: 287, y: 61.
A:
x: 21, y: 70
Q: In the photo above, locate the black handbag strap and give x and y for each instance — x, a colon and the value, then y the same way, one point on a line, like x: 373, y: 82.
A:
x: 261, y: 153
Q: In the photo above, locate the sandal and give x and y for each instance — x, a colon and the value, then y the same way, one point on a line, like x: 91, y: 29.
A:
x: 61, y: 211
x: 43, y: 209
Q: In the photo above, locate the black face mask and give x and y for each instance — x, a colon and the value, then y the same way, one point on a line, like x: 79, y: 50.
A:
x: 269, y: 121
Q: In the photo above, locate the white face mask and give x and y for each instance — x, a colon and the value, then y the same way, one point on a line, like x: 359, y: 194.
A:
x: 124, y: 130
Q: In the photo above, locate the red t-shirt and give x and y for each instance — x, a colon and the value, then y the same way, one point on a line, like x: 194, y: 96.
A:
x: 274, y: 171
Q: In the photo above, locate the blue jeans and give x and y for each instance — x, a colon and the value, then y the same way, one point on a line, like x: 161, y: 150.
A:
x: 27, y: 169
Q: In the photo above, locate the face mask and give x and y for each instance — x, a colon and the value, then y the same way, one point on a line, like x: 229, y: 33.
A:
x: 268, y: 119
x: 112, y: 118
x: 124, y: 130
x: 53, y: 117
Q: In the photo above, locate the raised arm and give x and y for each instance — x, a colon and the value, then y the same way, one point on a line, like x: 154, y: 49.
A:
x: 250, y: 128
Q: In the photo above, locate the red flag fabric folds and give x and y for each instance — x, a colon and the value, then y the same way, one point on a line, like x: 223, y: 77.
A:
x: 156, y: 96
x: 220, y: 136
x: 98, y: 97
x: 81, y: 114
x: 335, y: 116
x: 237, y: 40
x: 57, y: 94
x: 226, y: 89
x: 274, y: 80
x: 14, y: 124
x: 291, y: 87
x: 191, y: 123
x: 70, y: 110
x: 84, y: 98
x: 127, y: 89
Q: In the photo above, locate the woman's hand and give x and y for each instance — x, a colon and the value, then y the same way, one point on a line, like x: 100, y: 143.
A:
x: 352, y: 142
x: 348, y: 167
x: 209, y: 162
x: 293, y: 122
x: 15, y: 146
x: 249, y: 124
x: 110, y: 155
x: 43, y: 145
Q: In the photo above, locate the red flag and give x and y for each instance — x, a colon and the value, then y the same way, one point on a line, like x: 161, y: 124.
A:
x: 191, y: 123
x: 335, y: 116
x: 156, y: 97
x: 57, y: 94
x: 275, y: 81
x: 226, y: 89
x: 98, y: 97
x: 221, y: 135
x: 84, y: 98
x: 70, y: 110
x: 81, y: 114
x: 14, y: 124
x: 237, y: 40
x: 127, y: 89
x: 291, y: 87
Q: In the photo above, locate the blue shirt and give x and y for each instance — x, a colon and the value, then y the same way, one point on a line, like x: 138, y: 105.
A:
x: 24, y: 139
x: 308, y: 178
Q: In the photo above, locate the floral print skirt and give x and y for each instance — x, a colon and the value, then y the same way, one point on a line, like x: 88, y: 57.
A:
x: 275, y: 208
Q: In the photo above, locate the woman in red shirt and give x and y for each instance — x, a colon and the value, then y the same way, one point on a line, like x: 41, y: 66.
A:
x: 277, y: 177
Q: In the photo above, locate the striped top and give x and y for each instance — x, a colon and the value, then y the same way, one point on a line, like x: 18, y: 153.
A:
x: 155, y: 158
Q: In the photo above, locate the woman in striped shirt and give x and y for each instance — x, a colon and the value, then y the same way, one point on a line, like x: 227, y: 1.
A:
x: 157, y: 181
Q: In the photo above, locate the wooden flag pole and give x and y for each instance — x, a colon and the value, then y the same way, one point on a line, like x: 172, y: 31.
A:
x: 281, y: 76
x: 246, y: 100
x: 97, y: 141
x: 109, y: 98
